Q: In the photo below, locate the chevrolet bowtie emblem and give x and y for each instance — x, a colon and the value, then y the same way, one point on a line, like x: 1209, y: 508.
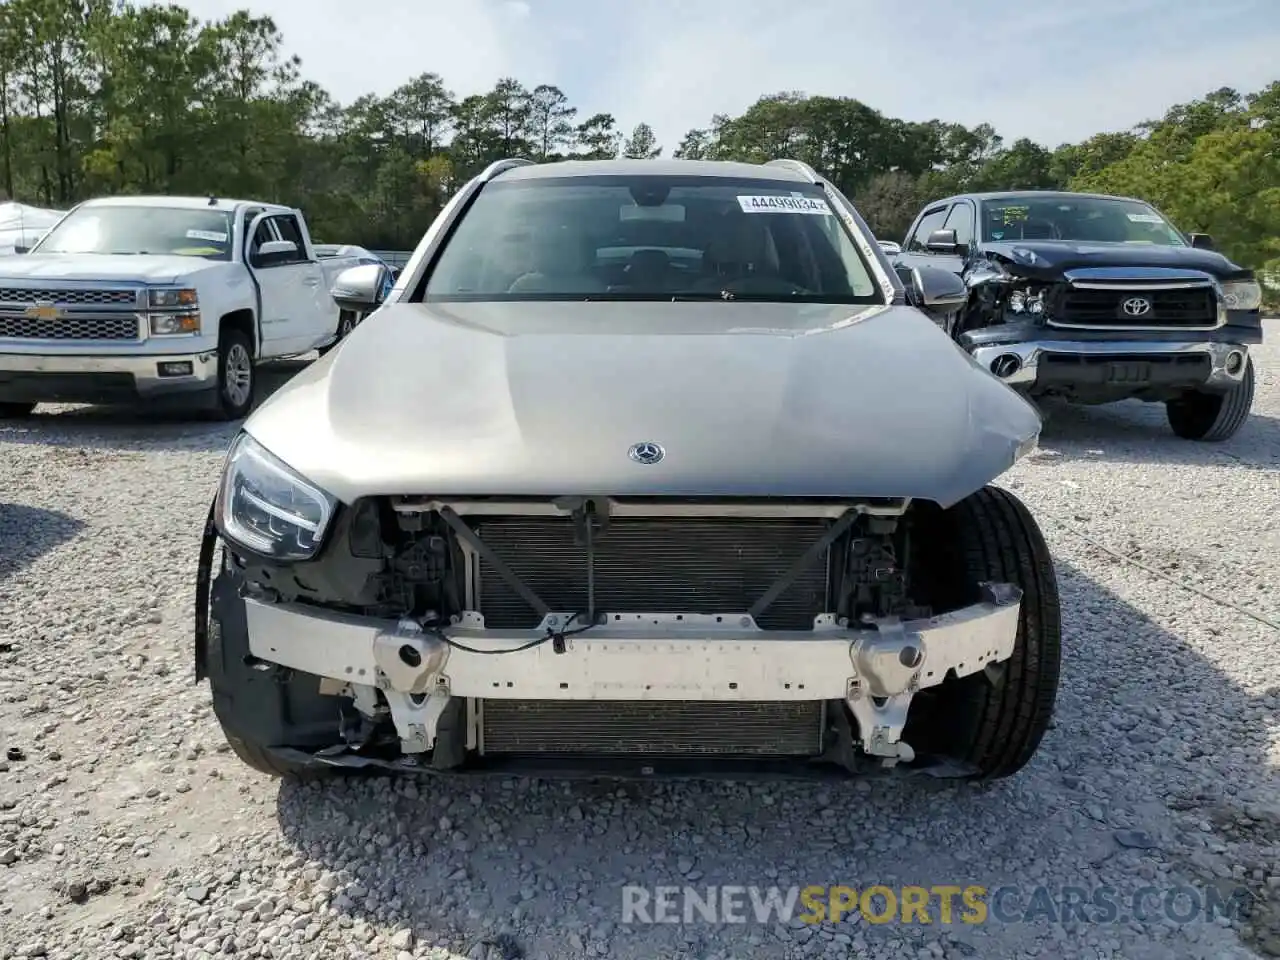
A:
x: 44, y: 310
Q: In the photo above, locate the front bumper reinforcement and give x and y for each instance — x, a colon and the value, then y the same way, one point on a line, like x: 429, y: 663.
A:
x: 876, y: 668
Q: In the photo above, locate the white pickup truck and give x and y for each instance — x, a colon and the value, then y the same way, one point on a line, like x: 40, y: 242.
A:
x: 162, y: 299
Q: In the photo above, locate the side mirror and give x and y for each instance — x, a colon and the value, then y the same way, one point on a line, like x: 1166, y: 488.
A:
x: 942, y: 241
x: 938, y: 291
x: 1202, y: 241
x: 273, y: 250
x: 361, y: 288
x: 889, y: 247
x: 276, y: 248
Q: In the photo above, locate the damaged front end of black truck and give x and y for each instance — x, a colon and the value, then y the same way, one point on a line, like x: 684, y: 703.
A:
x: 1095, y: 299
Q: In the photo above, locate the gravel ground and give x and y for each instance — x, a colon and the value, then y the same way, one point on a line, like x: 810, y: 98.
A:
x: 126, y: 829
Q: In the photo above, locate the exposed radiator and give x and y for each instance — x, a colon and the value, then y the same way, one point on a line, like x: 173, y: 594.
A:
x: 687, y: 565
x: 652, y: 727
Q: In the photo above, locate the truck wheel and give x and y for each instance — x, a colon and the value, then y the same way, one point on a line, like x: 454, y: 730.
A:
x: 237, y: 376
x: 992, y: 722
x: 16, y: 411
x: 1212, y: 416
x: 346, y: 323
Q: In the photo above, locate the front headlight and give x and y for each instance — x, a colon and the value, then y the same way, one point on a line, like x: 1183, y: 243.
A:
x: 1242, y: 295
x: 160, y: 297
x: 173, y: 324
x: 267, y: 508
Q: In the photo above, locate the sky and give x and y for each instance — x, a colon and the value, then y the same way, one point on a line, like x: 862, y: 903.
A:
x: 1052, y: 70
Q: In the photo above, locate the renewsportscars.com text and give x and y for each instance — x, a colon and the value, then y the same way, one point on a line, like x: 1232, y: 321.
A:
x: 941, y: 904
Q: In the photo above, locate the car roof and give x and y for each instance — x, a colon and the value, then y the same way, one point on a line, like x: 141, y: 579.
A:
x: 181, y: 203
x: 1039, y: 194
x: 651, y: 168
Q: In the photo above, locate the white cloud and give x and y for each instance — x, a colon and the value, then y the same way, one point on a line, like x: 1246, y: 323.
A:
x: 1054, y: 72
x: 352, y: 47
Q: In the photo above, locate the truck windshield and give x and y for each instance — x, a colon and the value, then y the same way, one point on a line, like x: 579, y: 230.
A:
x: 651, y: 238
x: 1080, y: 219
x: 173, y: 231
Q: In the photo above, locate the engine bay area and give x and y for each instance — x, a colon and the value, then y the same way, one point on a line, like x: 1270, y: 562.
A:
x: 451, y: 631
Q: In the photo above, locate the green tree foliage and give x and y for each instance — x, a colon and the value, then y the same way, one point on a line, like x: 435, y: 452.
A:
x: 642, y: 144
x: 104, y: 96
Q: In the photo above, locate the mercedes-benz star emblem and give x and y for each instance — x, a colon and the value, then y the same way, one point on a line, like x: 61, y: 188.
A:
x: 647, y: 453
x: 1137, y: 306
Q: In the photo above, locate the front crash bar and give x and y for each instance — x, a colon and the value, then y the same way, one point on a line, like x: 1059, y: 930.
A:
x: 875, y: 668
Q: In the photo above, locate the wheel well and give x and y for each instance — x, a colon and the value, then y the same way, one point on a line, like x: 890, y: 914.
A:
x: 241, y: 320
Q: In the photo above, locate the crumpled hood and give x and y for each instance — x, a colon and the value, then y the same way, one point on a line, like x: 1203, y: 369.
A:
x: 1056, y: 256
x: 94, y: 266
x: 746, y: 399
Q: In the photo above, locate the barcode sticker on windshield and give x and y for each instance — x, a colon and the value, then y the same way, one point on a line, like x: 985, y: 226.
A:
x: 211, y: 235
x: 1145, y: 218
x: 777, y: 204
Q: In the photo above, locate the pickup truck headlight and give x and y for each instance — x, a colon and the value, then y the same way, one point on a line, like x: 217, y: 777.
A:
x: 162, y: 298
x: 267, y: 508
x: 1242, y: 295
x: 173, y: 324
x: 181, y: 311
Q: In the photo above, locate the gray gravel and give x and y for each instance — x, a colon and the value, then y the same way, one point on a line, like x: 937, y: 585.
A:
x: 127, y: 830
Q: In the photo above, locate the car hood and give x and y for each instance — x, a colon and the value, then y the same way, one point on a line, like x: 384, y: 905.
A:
x: 96, y: 266
x: 1052, y: 257
x: 747, y: 400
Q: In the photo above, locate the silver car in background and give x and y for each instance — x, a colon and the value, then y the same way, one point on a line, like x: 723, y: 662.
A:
x: 643, y: 468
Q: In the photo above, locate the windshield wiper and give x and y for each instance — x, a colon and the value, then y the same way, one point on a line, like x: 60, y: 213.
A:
x: 708, y: 295
x: 660, y: 297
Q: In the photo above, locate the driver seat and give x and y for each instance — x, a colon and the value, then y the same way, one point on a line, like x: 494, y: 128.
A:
x: 562, y: 262
x: 739, y: 249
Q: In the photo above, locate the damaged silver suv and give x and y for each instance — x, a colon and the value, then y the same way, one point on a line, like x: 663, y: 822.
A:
x: 642, y: 468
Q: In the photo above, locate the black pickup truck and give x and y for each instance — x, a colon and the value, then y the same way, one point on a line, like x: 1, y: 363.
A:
x: 1096, y: 299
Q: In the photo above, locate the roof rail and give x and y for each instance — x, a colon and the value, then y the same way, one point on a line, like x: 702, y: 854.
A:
x: 799, y: 166
x: 501, y: 166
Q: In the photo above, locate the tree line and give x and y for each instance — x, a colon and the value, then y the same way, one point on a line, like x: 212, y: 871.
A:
x: 104, y: 97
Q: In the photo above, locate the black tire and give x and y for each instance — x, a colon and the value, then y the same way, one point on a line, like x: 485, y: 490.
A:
x: 237, y: 375
x: 990, y: 723
x: 270, y: 763
x: 1212, y: 417
x: 262, y: 710
x: 346, y: 323
x: 16, y: 411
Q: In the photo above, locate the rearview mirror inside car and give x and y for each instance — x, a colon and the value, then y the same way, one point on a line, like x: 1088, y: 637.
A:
x: 938, y: 291
x: 361, y: 288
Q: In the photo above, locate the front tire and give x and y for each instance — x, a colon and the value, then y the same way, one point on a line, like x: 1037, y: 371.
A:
x: 237, y: 375
x: 262, y: 710
x: 1212, y: 417
x: 16, y: 411
x: 990, y: 723
x: 346, y: 323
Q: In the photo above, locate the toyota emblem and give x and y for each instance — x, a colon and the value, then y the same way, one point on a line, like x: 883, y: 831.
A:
x: 1137, y: 306
x: 647, y: 453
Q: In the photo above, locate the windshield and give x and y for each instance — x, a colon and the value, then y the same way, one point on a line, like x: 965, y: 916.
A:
x: 1081, y: 219
x: 187, y: 232
x: 651, y: 238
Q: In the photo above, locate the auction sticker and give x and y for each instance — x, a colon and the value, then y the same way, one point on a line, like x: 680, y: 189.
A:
x: 1145, y: 218
x: 211, y: 235
x: 779, y: 204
